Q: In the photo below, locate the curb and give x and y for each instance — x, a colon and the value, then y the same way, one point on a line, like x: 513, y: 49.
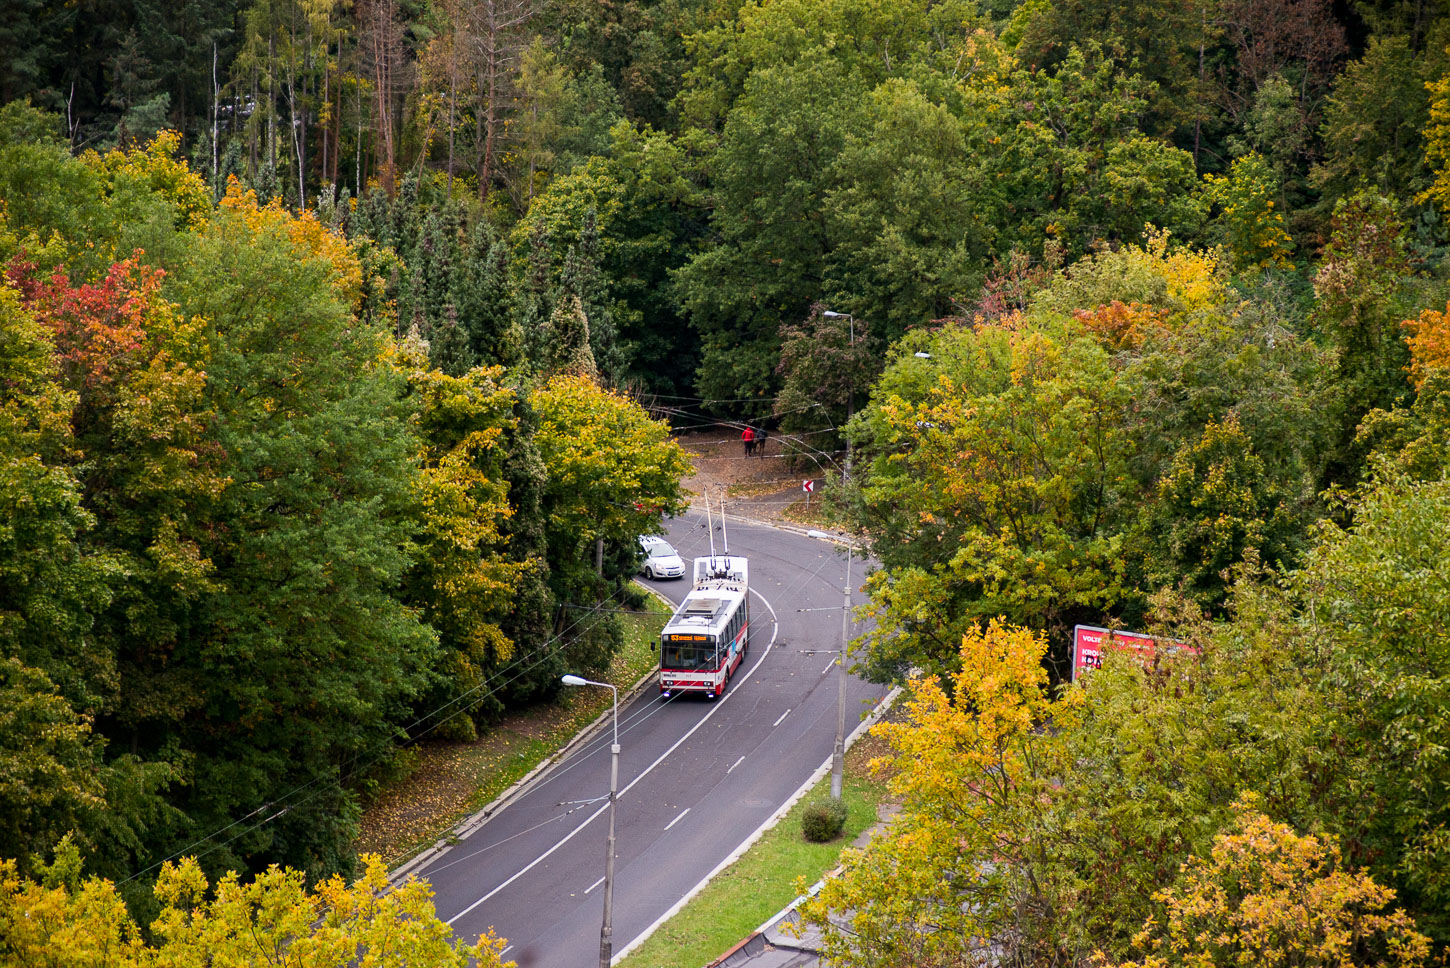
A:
x: 871, y: 719
x: 445, y: 841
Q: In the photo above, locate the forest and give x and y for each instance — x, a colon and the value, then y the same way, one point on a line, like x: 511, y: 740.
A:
x: 335, y: 336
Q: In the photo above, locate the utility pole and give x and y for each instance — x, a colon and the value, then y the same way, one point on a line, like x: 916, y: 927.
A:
x: 606, y: 930
x: 838, y: 760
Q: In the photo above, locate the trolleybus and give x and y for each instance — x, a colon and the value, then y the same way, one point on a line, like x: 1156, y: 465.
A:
x: 705, y: 640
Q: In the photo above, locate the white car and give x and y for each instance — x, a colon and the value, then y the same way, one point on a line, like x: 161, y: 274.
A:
x: 660, y: 558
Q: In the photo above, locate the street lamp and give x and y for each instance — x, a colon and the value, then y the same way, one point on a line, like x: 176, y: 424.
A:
x: 838, y: 756
x: 606, y: 933
x: 851, y: 388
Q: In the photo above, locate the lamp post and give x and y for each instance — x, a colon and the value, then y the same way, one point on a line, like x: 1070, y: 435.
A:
x: 838, y: 756
x: 606, y: 933
x: 851, y: 388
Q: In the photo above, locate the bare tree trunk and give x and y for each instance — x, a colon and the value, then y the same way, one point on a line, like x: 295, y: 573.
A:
x: 215, y: 107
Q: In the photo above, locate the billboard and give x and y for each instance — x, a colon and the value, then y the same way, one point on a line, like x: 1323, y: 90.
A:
x: 1088, y: 643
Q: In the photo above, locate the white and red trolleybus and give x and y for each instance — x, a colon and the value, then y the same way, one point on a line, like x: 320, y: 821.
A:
x: 704, y: 642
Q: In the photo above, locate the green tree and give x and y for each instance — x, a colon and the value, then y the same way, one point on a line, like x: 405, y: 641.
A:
x: 1377, y: 595
x: 1007, y: 484
x: 1374, y: 121
x: 300, y: 656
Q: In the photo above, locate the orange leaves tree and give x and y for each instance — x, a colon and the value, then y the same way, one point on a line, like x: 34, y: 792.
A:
x: 1429, y: 342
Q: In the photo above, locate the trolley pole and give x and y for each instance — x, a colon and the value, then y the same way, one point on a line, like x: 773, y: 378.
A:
x: 838, y: 761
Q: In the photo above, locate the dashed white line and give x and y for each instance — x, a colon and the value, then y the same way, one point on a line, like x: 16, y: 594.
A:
x: 781, y: 720
x: 677, y: 819
x: 735, y: 764
x: 774, y: 632
x: 594, y: 885
x: 829, y: 666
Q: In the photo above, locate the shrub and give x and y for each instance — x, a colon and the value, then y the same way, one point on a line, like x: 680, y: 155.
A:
x: 823, y: 820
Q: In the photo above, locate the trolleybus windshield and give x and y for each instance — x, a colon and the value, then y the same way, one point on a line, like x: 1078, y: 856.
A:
x: 688, y: 652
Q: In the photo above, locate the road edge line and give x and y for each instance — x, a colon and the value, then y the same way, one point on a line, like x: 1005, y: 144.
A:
x: 486, y: 813
x: 870, y: 720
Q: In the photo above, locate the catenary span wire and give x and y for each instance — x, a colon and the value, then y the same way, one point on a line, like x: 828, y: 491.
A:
x: 301, y: 803
x: 540, y: 655
x: 306, y: 800
x: 387, y: 746
x: 542, y: 652
x: 634, y: 720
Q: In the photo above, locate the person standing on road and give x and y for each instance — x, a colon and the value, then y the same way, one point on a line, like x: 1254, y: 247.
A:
x: 748, y: 436
x: 761, y: 436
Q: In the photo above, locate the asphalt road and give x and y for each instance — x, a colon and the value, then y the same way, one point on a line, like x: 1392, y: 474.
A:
x: 696, y: 776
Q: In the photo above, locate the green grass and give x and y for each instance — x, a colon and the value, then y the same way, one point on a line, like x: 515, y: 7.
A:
x: 759, y: 884
x: 450, y: 781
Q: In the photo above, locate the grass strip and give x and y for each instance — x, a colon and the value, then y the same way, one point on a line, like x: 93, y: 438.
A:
x: 451, y: 780
x: 761, y: 882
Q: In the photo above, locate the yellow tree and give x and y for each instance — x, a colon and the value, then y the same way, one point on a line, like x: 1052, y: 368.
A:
x: 941, y: 887
x: 464, y: 576
x: 1268, y: 897
x: 63, y: 922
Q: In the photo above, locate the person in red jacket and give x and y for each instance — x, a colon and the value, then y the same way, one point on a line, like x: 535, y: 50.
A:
x: 749, y: 437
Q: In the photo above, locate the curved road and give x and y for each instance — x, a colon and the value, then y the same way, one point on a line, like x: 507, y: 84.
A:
x: 696, y: 777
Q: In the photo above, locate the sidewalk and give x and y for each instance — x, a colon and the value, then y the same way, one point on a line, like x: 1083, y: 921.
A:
x: 773, y: 945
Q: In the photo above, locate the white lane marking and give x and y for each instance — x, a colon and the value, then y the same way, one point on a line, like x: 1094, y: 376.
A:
x: 782, y: 719
x: 594, y: 885
x: 735, y: 764
x: 677, y: 819
x: 830, y: 665
x: 505, y: 951
x: 774, y: 631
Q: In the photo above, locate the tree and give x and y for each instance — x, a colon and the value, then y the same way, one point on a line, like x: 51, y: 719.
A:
x: 62, y: 921
x: 1269, y: 896
x: 1359, y: 291
x: 1216, y: 505
x: 50, y: 761
x: 1006, y: 482
x: 1376, y: 592
x: 463, y: 574
x: 824, y: 364
x: 298, y: 656
x: 929, y: 892
x: 770, y: 173
x: 612, y: 474
x: 1247, y: 221
x: 1374, y: 123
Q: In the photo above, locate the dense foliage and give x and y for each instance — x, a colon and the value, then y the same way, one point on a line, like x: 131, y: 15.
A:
x: 317, y: 336
x: 254, y: 540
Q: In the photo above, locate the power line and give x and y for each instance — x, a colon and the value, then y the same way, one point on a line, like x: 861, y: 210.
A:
x: 380, y: 748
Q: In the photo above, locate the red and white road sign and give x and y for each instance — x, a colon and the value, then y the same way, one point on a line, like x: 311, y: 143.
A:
x: 808, y: 486
x: 1088, y: 642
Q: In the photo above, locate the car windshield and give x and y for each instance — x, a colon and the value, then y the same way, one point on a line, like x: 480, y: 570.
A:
x: 658, y: 548
x: 688, y: 655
